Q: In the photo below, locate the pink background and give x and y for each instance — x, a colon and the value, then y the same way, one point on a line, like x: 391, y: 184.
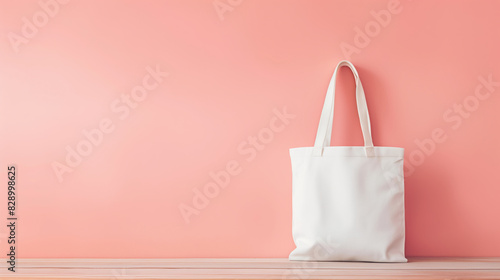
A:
x: 228, y: 71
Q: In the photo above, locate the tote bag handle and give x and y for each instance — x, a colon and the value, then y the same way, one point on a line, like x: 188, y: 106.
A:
x: 323, y: 136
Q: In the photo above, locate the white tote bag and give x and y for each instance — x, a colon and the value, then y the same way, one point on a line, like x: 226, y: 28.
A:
x: 348, y: 202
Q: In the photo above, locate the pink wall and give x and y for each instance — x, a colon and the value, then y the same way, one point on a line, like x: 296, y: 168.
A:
x: 67, y: 69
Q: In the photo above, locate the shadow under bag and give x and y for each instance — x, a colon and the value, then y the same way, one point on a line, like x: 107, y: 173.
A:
x: 348, y: 202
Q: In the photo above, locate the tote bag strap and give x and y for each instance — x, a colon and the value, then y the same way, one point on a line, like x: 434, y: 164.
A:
x: 323, y: 136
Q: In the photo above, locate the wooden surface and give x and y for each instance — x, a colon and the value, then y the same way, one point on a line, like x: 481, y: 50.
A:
x: 416, y: 268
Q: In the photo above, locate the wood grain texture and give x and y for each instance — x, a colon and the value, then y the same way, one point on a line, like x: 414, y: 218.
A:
x: 416, y: 268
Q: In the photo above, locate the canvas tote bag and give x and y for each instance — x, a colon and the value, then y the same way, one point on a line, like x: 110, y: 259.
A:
x: 347, y: 202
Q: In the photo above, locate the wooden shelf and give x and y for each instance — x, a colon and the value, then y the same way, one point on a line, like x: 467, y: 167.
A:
x: 416, y: 268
